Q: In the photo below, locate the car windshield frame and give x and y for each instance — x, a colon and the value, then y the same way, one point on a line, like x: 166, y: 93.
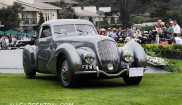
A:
x: 74, y: 30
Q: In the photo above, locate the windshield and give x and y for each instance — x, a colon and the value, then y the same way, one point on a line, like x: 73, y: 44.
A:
x: 73, y: 30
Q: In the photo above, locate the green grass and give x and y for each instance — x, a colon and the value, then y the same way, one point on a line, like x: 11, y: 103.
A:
x: 155, y: 89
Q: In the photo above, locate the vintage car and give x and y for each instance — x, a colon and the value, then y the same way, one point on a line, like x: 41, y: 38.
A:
x: 73, y: 50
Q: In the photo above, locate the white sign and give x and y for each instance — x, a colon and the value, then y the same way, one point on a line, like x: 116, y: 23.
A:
x: 136, y: 72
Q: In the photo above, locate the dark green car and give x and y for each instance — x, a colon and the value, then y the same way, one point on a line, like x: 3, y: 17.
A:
x: 73, y: 50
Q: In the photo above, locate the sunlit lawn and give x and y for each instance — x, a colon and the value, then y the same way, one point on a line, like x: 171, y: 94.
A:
x: 155, y: 89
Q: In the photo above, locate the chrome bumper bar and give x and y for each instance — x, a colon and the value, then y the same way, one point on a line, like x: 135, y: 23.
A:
x: 100, y: 71
x: 103, y: 72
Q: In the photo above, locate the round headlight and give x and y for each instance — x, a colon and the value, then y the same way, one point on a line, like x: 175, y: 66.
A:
x: 128, y: 56
x: 110, y: 66
x: 89, y: 58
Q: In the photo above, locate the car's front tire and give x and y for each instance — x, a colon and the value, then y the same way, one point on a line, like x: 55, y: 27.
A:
x: 67, y: 77
x: 132, y: 80
x: 31, y: 75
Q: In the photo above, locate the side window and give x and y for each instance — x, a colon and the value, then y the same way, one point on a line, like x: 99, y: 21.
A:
x: 46, y: 32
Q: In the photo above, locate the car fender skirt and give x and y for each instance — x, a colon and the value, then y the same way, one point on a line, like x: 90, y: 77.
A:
x: 29, y: 59
x: 140, y: 58
x: 71, y: 55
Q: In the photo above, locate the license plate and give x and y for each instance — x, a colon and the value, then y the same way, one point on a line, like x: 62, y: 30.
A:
x: 136, y: 72
x: 89, y: 67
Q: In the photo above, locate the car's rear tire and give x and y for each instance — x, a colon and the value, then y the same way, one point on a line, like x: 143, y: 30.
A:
x: 31, y: 75
x: 67, y: 77
x: 132, y: 80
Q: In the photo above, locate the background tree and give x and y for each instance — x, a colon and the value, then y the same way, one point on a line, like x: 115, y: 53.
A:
x: 67, y: 12
x: 131, y: 8
x: 97, y: 3
x: 134, y: 11
x: 172, y: 11
x: 41, y: 20
x: 9, y: 16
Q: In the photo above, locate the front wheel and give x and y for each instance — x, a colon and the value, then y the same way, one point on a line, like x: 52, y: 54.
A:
x: 31, y: 75
x: 132, y: 80
x: 66, y: 76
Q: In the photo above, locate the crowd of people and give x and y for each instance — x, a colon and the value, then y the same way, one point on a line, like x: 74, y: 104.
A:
x: 7, y: 41
x: 162, y: 33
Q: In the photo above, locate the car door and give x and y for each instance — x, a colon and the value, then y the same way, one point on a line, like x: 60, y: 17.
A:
x: 45, y: 47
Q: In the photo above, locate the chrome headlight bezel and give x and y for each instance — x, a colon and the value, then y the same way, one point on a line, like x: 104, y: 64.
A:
x: 128, y: 56
x: 110, y: 66
x: 89, y: 58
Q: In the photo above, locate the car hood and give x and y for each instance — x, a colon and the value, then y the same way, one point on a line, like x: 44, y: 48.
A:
x: 105, y: 48
x: 77, y: 40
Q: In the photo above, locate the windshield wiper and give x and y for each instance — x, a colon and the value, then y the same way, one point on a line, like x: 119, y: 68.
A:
x: 60, y: 33
x: 81, y: 31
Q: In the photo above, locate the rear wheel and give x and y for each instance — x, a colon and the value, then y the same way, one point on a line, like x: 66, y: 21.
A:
x: 132, y: 80
x: 66, y: 76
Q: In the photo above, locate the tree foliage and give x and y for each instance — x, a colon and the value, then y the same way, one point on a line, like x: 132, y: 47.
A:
x: 128, y: 9
x: 41, y: 19
x: 97, y: 3
x: 9, y: 16
x: 67, y: 12
x: 172, y: 11
x: 131, y: 8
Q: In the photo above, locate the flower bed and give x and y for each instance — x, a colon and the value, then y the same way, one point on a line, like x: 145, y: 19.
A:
x: 156, y: 61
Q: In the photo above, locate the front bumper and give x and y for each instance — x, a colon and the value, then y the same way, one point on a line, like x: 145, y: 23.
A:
x: 98, y: 72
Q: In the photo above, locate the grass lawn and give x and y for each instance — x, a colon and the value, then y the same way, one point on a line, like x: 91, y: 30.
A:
x: 155, y: 89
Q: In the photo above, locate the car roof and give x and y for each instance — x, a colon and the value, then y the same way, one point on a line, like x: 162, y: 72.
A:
x: 66, y: 21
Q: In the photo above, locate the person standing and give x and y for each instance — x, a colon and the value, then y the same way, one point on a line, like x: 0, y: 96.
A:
x: 169, y: 30
x: 113, y: 34
x: 158, y: 28
x: 176, y: 28
x: 176, y: 39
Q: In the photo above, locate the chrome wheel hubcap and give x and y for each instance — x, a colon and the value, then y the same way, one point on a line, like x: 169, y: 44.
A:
x: 65, y: 75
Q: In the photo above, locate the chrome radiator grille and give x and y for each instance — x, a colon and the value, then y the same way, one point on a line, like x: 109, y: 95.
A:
x: 108, y: 52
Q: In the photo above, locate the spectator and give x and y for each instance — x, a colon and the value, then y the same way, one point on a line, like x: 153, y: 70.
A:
x: 176, y: 28
x: 102, y: 31
x: 169, y: 30
x: 129, y: 33
x: 163, y: 42
x: 4, y: 42
x: 119, y: 31
x: 122, y: 36
x: 135, y: 34
x: 13, y: 41
x: 7, y: 41
x: 114, y: 34
x: 108, y: 32
x: 10, y: 38
x: 132, y: 38
x: 176, y: 39
x: 158, y: 28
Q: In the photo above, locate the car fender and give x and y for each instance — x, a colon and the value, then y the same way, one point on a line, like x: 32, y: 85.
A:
x: 70, y: 53
x: 30, y: 58
x: 83, y: 50
x: 140, y: 58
